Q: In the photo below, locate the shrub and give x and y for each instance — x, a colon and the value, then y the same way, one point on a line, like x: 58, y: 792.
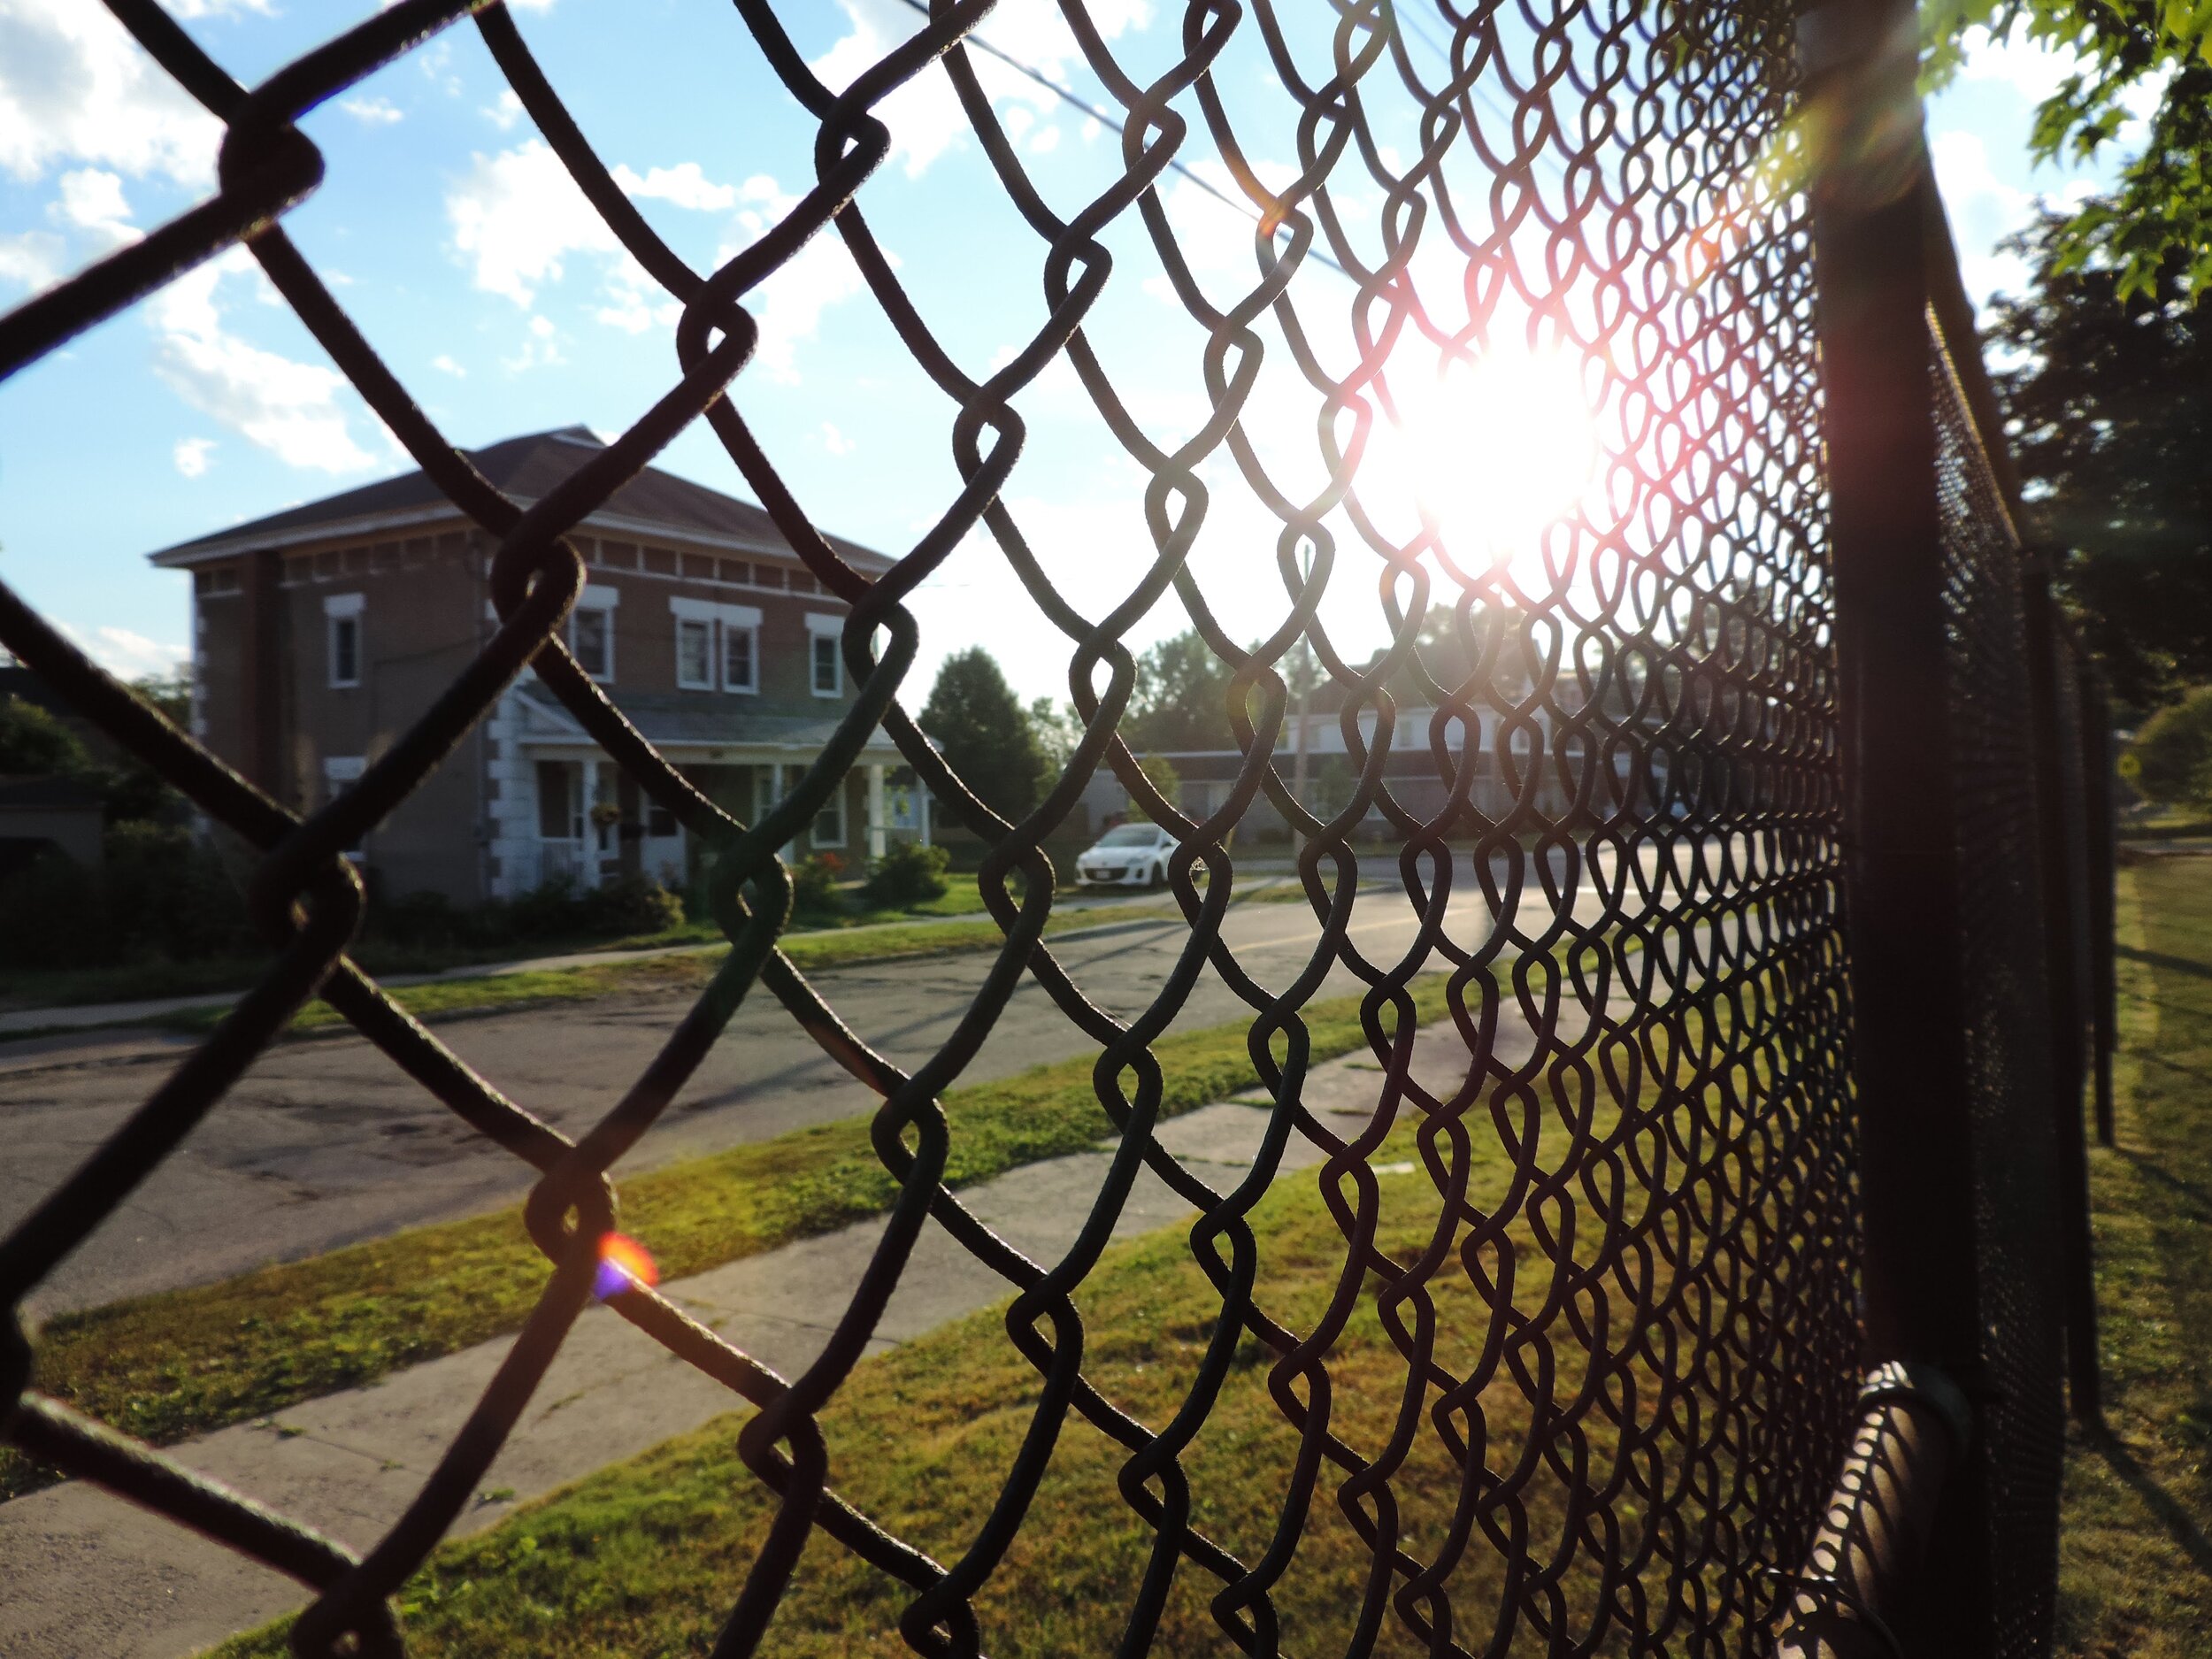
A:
x: 814, y: 889
x: 909, y: 873
x: 428, y: 921
x: 2173, y: 751
x: 167, y: 894
x: 635, y: 904
x: 52, y: 915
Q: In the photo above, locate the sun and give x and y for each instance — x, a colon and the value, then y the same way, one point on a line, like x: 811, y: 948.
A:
x: 1493, y: 452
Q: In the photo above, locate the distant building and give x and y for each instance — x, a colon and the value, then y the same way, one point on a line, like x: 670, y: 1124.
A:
x: 43, y: 815
x: 322, y: 633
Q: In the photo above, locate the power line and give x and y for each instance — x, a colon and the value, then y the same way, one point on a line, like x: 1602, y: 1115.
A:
x: 1077, y: 101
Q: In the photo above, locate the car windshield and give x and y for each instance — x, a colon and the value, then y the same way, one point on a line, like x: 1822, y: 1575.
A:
x: 1129, y: 835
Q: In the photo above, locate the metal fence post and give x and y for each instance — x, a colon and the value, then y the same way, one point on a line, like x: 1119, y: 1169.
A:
x: 1904, y: 906
x: 2063, y: 940
x: 2102, y: 804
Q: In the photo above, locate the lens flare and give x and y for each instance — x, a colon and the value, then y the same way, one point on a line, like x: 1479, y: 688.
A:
x: 1495, y: 451
x: 624, y: 1265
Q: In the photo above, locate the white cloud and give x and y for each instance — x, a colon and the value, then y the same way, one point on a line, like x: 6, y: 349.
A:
x: 1984, y: 209
x: 924, y: 115
x: 92, y: 199
x: 75, y: 86
x: 126, y: 655
x: 505, y: 113
x: 635, y: 303
x: 683, y: 184
x: 289, y: 408
x: 445, y: 365
x: 191, y: 455
x: 31, y: 258
x: 517, y: 215
x: 189, y: 9
x: 541, y: 350
x: 788, y: 306
x: 835, y: 441
x: 371, y: 112
x: 2032, y: 69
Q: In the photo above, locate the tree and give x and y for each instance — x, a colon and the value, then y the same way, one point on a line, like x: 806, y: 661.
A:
x: 1058, y: 731
x: 2170, y: 760
x: 1181, y: 698
x: 2162, y: 213
x: 984, y: 732
x: 2110, y: 409
x: 34, y: 744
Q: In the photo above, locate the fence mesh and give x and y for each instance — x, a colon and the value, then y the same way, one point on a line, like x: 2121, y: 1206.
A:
x: 2010, y: 1007
x: 1594, y: 765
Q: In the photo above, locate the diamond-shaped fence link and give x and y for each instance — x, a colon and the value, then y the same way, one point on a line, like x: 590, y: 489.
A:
x: 1628, y: 1370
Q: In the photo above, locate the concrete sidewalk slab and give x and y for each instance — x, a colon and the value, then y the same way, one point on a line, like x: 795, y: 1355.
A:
x: 90, y: 1575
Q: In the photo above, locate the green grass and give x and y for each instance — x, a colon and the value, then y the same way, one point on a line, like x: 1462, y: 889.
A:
x: 143, y: 980
x: 167, y: 1366
x: 646, y: 1556
x: 537, y: 987
x: 2135, y: 1567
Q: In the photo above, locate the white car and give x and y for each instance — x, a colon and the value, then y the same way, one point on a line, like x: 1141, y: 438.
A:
x: 1127, y: 855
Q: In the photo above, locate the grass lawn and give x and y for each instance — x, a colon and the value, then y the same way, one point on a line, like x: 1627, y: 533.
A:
x: 536, y: 987
x: 138, y: 981
x: 646, y: 1556
x: 2135, y: 1567
x: 167, y: 1366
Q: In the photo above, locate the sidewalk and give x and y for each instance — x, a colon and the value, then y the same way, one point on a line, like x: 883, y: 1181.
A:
x: 90, y: 1575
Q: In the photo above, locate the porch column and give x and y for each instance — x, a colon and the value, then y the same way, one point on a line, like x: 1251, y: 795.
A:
x: 591, y: 829
x: 875, y: 836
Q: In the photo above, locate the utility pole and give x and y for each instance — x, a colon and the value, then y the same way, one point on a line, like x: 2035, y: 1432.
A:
x: 1305, y: 688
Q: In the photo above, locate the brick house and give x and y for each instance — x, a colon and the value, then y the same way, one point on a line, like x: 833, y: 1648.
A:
x: 321, y: 632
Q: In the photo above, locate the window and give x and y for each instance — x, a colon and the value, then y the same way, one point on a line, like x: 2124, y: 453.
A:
x: 741, y: 657
x: 716, y: 640
x: 694, y: 653
x: 660, y: 823
x: 591, y: 644
x: 829, y: 823
x: 824, y: 664
x: 340, y: 772
x: 591, y: 631
x: 342, y: 615
x: 558, y: 815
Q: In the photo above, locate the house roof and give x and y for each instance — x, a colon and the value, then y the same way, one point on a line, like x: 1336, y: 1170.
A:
x: 675, y: 720
x: 525, y: 469
x: 49, y: 793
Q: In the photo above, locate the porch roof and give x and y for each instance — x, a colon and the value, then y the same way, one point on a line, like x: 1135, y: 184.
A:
x: 694, y: 721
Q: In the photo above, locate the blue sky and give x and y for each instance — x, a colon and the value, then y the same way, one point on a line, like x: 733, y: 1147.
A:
x: 450, y: 232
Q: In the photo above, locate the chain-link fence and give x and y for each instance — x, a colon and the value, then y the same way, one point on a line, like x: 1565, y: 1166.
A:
x: 1596, y: 742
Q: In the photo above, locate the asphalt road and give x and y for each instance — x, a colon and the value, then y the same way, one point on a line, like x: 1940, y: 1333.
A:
x: 325, y: 1143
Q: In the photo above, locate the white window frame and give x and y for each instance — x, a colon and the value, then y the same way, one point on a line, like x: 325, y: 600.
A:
x: 694, y: 612
x: 340, y: 772
x: 820, y: 626
x: 340, y: 610
x: 603, y: 600
x: 814, y: 837
x: 751, y: 632
x: 718, y: 620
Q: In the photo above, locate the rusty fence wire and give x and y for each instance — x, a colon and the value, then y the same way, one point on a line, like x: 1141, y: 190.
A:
x: 1602, y: 757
